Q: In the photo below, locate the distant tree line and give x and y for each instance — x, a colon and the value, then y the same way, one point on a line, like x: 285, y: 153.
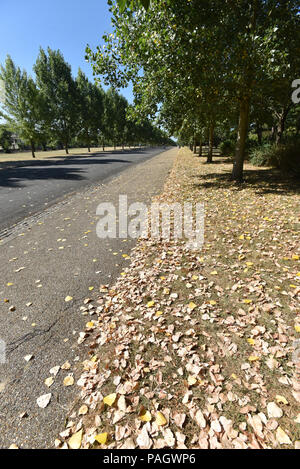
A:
x: 58, y: 111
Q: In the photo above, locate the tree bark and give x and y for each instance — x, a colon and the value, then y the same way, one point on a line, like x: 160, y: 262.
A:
x: 238, y: 165
x: 66, y: 148
x: 32, y: 149
x: 281, y: 124
x: 259, y: 133
x: 211, y: 144
x: 200, y: 148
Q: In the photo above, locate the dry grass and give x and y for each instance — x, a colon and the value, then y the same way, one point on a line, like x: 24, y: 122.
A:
x: 245, y: 286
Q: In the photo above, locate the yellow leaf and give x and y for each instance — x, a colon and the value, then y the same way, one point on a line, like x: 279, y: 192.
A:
x: 110, y: 399
x: 91, y: 288
x: 282, y: 437
x: 251, y: 341
x: 192, y: 380
x: 89, y: 324
x: 49, y: 381
x: 68, y: 381
x: 295, y: 257
x: 249, y: 264
x: 158, y: 313
x: 214, y: 272
x: 234, y: 376
x: 297, y: 328
x: 195, y: 277
x: 281, y: 399
x: 192, y: 305
x: 253, y: 358
x: 242, y: 237
x: 9, y: 284
x: 68, y: 298
x: 150, y: 304
x: 247, y: 302
x: 212, y: 302
x: 83, y: 410
x: 75, y: 440
x: 160, y: 419
x: 293, y: 286
x: 145, y: 416
x: 101, y: 438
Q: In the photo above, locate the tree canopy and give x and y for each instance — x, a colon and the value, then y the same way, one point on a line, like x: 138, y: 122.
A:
x: 201, y: 64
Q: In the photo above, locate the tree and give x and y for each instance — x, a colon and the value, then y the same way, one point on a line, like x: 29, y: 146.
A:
x: 24, y: 106
x: 58, y: 88
x: 90, y: 108
x: 5, y: 138
x: 222, y: 51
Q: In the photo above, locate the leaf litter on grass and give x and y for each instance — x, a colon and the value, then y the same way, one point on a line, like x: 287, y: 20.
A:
x: 215, y: 367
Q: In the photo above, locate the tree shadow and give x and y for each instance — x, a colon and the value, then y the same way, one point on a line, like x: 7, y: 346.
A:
x: 69, y: 159
x: 54, y: 169
x: 264, y: 181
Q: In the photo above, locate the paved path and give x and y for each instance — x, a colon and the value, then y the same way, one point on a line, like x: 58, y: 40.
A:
x: 48, y: 256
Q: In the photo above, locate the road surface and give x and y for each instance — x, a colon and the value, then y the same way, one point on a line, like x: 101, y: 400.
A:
x: 49, y: 251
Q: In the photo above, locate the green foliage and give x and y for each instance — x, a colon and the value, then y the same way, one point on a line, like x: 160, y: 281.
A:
x: 285, y: 157
x: 58, y: 88
x: 202, y: 64
x: 5, y: 138
x: 90, y: 109
x: 227, y: 148
x: 24, y: 105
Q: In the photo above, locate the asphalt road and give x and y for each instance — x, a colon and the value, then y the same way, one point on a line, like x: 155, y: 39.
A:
x: 30, y: 188
x: 50, y: 250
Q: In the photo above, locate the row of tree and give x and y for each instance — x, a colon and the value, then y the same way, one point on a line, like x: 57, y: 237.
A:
x: 207, y: 67
x: 55, y: 108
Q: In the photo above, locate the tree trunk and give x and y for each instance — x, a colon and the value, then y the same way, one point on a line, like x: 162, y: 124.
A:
x: 66, y: 148
x: 281, y: 124
x: 195, y: 145
x: 200, y: 148
x: 211, y: 144
x: 32, y: 149
x: 238, y: 165
x: 259, y: 133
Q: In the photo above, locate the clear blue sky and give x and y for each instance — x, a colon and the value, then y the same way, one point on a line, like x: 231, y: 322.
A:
x: 68, y: 25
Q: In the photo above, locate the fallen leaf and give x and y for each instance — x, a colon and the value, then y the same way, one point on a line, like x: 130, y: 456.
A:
x: 101, y: 438
x: 44, y: 400
x: 110, y: 399
x: 69, y: 381
x: 160, y: 419
x: 75, y: 440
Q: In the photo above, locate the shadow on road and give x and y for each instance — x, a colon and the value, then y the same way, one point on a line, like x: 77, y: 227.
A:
x: 60, y: 168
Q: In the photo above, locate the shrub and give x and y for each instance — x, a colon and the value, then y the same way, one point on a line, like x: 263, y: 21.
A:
x: 285, y: 157
x: 227, y: 148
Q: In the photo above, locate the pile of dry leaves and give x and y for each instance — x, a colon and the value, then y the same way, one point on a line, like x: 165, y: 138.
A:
x: 199, y: 349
